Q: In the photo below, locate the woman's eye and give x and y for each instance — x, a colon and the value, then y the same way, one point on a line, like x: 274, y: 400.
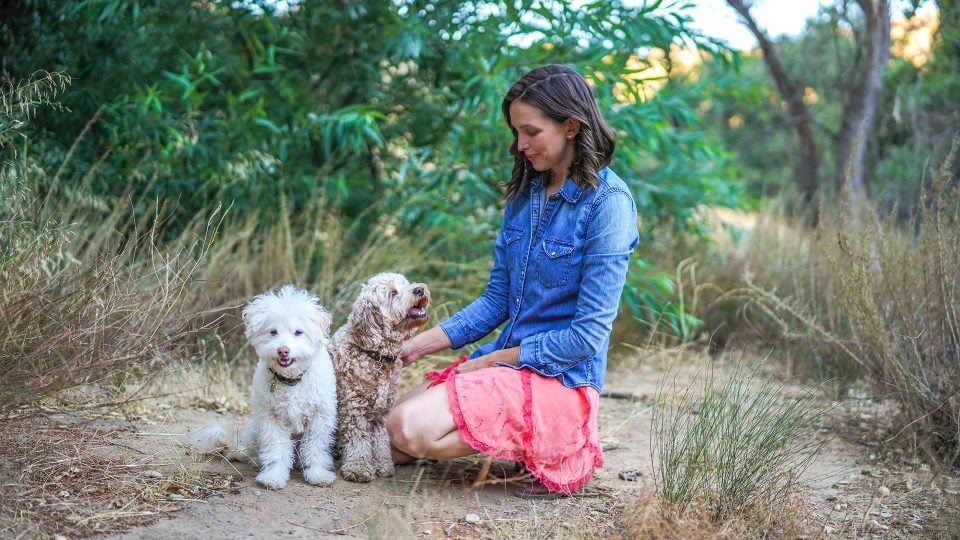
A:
x: 274, y: 332
x: 393, y: 294
x: 298, y: 332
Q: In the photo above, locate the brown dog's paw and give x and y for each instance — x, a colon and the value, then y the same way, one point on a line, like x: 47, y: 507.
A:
x: 385, y: 470
x: 357, y: 472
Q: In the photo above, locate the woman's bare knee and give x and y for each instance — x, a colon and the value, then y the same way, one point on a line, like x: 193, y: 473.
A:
x: 416, y: 425
x: 402, y: 431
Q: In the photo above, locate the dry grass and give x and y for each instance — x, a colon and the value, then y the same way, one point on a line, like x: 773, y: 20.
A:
x: 859, y: 297
x: 84, y: 304
x: 76, y: 480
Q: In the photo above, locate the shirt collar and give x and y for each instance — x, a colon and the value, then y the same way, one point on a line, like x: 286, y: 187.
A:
x: 569, y: 190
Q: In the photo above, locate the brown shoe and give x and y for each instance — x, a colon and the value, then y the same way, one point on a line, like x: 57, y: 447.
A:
x: 536, y: 491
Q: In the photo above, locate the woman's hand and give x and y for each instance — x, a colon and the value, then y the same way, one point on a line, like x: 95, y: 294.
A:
x: 509, y: 356
x: 422, y: 344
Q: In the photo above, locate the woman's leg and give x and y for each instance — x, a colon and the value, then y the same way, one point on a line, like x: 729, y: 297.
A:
x: 421, y: 425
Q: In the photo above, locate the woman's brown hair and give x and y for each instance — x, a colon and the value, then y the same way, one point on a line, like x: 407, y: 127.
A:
x: 561, y: 94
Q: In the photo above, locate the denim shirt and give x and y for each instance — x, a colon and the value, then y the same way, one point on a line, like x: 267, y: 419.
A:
x: 558, y: 272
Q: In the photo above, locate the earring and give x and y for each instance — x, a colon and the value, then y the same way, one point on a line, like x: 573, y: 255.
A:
x: 570, y: 136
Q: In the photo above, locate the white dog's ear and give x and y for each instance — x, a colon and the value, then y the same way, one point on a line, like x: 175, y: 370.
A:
x: 323, y: 320
x: 247, y: 315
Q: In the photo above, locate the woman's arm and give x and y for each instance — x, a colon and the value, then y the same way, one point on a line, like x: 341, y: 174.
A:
x: 509, y: 356
x: 488, y: 311
x: 424, y: 343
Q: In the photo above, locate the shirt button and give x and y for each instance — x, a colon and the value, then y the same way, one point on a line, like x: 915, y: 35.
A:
x: 518, y: 301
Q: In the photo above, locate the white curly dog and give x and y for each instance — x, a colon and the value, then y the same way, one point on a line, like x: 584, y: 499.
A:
x: 294, y: 393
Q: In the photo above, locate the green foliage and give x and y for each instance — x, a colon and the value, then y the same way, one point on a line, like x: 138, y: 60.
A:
x: 360, y: 104
x: 649, y: 296
x: 732, y: 445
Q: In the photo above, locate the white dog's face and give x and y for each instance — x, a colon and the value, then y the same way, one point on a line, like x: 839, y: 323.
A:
x: 287, y: 329
x: 392, y: 304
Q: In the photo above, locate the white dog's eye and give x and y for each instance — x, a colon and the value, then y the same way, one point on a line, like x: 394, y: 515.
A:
x: 393, y: 293
x: 274, y: 332
x: 298, y: 332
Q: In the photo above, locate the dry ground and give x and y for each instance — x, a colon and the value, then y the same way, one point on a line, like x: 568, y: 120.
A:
x: 128, y: 476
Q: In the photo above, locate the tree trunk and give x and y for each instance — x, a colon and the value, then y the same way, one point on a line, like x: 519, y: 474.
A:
x: 860, y: 109
x: 798, y: 115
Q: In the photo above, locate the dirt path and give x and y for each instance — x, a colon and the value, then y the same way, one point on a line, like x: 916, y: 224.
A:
x: 426, y: 500
x: 840, y: 496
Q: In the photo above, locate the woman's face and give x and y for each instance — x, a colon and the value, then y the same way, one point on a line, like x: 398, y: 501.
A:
x: 548, y: 145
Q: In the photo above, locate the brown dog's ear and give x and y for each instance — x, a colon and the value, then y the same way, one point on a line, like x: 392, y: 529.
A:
x: 366, y: 321
x: 366, y: 312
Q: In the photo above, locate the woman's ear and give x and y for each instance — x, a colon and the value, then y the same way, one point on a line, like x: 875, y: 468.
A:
x: 572, y: 127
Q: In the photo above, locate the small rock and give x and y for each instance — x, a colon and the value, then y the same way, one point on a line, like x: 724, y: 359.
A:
x: 152, y: 474
x: 832, y: 496
x: 827, y: 529
x: 174, y: 496
x: 883, y: 491
x: 886, y: 515
x: 472, y: 518
x: 630, y: 475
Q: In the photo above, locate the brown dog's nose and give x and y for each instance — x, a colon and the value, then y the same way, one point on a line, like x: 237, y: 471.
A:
x: 283, y: 351
x: 418, y: 291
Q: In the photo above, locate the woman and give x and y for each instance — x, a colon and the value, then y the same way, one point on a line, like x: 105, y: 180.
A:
x: 561, y: 258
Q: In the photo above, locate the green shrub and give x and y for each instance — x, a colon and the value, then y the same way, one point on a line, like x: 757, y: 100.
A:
x: 732, y: 445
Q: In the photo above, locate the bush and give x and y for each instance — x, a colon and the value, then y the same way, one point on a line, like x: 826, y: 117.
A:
x: 865, y: 297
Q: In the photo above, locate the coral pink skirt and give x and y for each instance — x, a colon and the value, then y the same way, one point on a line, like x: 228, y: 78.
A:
x: 519, y: 415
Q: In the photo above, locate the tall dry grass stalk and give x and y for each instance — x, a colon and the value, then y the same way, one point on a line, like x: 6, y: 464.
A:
x: 866, y: 297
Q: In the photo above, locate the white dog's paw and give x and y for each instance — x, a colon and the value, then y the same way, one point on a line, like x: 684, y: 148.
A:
x: 275, y: 478
x: 319, y: 476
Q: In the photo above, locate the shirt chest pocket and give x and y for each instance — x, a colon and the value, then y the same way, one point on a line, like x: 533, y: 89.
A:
x: 554, y: 262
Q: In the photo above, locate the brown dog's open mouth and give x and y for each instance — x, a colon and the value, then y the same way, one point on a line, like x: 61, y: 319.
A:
x: 419, y: 311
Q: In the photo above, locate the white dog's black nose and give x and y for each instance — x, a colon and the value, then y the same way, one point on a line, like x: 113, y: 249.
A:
x: 418, y: 291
